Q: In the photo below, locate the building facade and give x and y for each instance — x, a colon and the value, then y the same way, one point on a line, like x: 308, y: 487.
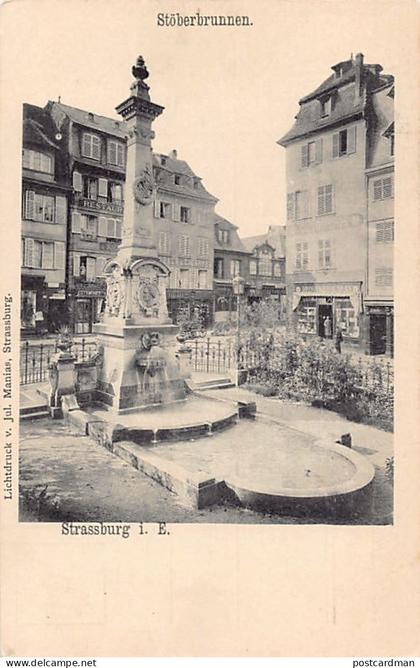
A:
x: 45, y: 206
x: 327, y: 156
x: 231, y: 259
x: 183, y: 235
x: 95, y: 152
x: 267, y: 266
x: 378, y: 321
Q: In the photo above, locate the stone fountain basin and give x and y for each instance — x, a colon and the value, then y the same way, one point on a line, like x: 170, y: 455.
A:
x: 194, y: 417
x: 272, y: 468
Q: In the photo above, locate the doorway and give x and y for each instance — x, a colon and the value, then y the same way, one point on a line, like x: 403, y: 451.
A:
x: 324, y: 311
x: 83, y: 323
x: 377, y: 334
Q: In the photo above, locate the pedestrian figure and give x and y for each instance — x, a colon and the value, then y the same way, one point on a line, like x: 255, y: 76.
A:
x: 327, y: 327
x: 338, y: 338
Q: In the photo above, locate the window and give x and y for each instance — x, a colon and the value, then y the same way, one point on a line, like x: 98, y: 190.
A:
x: 196, y: 183
x: 90, y: 188
x: 324, y: 254
x: 235, y: 268
x: 184, y: 278
x: 346, y: 317
x: 311, y: 153
x: 307, y: 317
x: 265, y: 265
x: 326, y: 106
x: 88, y: 226
x: 383, y: 277
x: 325, y: 200
x: 223, y: 236
x: 253, y: 267
x: 43, y: 254
x: 385, y: 232
x: 185, y: 214
x: 115, y: 153
x: 344, y: 142
x: 115, y: 192
x: 302, y: 205
x: 202, y: 279
x: 302, y: 258
x: 39, y: 162
x: 277, y: 269
x: 87, y: 267
x: 383, y: 188
x: 91, y: 146
x: 203, y: 247
x: 218, y: 267
x: 165, y: 210
x: 113, y: 228
x: 177, y: 179
x: 184, y: 245
x: 163, y: 246
x: 44, y: 208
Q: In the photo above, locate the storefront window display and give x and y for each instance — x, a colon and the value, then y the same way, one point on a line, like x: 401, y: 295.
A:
x: 346, y: 318
x: 307, y: 317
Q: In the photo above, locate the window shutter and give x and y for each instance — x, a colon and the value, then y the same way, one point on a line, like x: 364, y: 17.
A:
x: 90, y: 268
x: 335, y: 145
x: 29, y: 252
x: 305, y: 155
x: 96, y: 148
x: 47, y: 255
x: 291, y: 206
x: 377, y: 189
x: 29, y: 204
x: 112, y: 152
x: 59, y: 255
x: 76, y: 264
x: 103, y: 188
x: 110, y: 227
x: 318, y: 151
x: 75, y: 222
x: 176, y: 212
x: 77, y: 182
x: 387, y: 187
x: 60, y: 210
x: 103, y: 226
x: 100, y: 264
x: 157, y: 208
x: 305, y: 204
x: 351, y: 139
x: 118, y: 229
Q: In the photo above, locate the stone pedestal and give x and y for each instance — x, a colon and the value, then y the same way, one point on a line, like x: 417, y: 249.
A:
x: 62, y: 380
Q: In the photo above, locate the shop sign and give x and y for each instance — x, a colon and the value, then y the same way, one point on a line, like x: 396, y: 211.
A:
x: 95, y: 205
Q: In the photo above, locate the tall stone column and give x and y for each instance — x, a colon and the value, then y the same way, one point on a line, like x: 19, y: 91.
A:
x: 136, y: 334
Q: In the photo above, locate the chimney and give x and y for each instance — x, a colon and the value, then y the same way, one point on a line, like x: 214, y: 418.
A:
x: 358, y: 65
x: 173, y: 154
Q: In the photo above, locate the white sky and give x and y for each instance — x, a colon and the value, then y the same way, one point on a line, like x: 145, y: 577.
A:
x: 228, y: 93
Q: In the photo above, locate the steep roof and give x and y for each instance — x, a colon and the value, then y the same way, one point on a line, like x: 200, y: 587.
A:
x: 234, y: 243
x: 168, y: 166
x: 88, y: 119
x: 38, y: 127
x: 345, y: 104
x: 274, y: 237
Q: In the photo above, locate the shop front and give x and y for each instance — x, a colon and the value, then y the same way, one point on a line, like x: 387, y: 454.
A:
x: 88, y: 302
x: 319, y: 309
x: 379, y: 328
x: 194, y: 305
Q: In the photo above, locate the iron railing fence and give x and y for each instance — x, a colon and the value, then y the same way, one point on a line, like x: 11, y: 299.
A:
x: 35, y: 358
x: 213, y: 356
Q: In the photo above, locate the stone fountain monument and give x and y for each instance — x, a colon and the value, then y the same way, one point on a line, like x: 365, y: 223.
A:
x: 136, y: 335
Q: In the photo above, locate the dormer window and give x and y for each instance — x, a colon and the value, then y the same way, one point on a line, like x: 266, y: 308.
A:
x: 196, y: 183
x: 326, y: 106
x: 91, y: 146
x: 163, y: 160
x: 177, y: 180
x: 91, y: 117
x: 223, y: 236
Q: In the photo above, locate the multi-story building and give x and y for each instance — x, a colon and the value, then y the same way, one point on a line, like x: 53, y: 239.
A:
x: 183, y: 235
x: 45, y: 195
x: 95, y: 150
x: 378, y: 297
x: 230, y: 259
x: 328, y: 152
x: 267, y: 266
